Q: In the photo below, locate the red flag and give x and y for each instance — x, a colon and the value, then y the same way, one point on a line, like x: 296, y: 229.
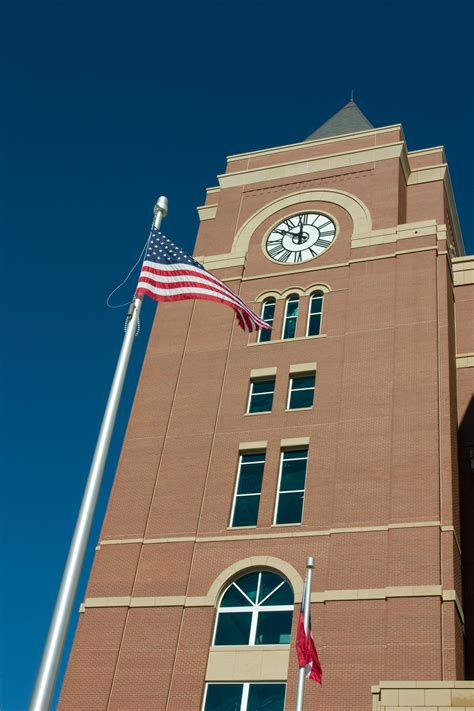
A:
x: 305, y: 647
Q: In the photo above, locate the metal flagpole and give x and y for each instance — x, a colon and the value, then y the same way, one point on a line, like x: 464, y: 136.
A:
x: 46, y: 679
x: 307, y: 610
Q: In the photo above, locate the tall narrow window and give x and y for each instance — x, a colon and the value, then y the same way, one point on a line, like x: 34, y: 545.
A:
x: 291, y: 316
x: 289, y: 508
x: 247, y: 491
x: 268, y: 314
x: 255, y: 609
x: 261, y: 395
x: 315, y: 314
x: 245, y: 696
x: 301, y: 393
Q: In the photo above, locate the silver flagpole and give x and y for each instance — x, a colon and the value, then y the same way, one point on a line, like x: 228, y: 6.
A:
x: 307, y: 610
x: 48, y: 671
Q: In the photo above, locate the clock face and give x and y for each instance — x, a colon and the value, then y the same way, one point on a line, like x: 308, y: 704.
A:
x: 300, y: 238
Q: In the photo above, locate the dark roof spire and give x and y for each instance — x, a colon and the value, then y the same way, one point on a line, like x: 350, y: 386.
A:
x: 349, y: 119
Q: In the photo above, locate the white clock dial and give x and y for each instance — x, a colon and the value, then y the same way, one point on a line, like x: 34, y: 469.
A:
x: 300, y: 238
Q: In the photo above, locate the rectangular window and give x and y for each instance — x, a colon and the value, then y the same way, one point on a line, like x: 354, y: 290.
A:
x: 291, y: 317
x: 290, y: 498
x: 315, y: 314
x: 248, y: 489
x: 261, y: 395
x: 245, y: 696
x: 301, y: 392
x: 268, y: 314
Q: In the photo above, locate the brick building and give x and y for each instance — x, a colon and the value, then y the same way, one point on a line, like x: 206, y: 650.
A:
x: 346, y: 435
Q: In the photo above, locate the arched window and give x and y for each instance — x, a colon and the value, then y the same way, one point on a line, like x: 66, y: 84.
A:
x: 255, y: 609
x: 315, y: 314
x: 268, y: 314
x: 291, y: 316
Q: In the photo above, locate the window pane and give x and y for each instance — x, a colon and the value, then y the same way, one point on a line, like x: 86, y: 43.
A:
x: 266, y: 697
x: 234, y: 598
x: 250, y: 478
x: 292, y: 307
x: 316, y: 304
x: 305, y: 381
x: 233, y: 628
x: 263, y: 386
x: 264, y: 334
x: 251, y: 458
x: 293, y: 474
x: 283, y: 596
x: 295, y: 454
x: 290, y: 328
x: 261, y: 403
x: 268, y: 311
x: 301, y: 398
x: 268, y: 583
x: 246, y: 510
x: 274, y: 627
x: 224, y: 697
x: 314, y: 325
x: 290, y: 508
x: 248, y: 583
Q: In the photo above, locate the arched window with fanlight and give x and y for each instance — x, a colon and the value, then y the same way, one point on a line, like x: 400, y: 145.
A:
x: 268, y: 314
x: 315, y: 314
x: 255, y: 609
x: 291, y: 316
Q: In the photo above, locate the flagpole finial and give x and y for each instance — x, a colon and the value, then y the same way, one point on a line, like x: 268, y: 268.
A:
x: 310, y: 562
x: 161, y: 206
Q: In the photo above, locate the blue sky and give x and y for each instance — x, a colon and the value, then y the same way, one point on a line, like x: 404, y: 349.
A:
x: 105, y: 107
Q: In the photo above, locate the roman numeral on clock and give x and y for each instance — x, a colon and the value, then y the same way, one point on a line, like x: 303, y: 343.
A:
x: 323, y: 242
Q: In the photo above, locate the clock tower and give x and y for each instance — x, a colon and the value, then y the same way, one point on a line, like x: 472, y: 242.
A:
x: 341, y: 434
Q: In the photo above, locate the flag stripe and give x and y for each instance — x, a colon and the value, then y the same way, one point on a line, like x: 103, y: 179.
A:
x: 171, y: 283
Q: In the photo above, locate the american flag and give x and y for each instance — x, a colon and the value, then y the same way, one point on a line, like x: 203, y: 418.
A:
x: 169, y: 274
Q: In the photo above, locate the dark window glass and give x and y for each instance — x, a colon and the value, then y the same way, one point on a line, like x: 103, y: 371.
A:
x: 234, y: 598
x: 274, y: 628
x: 315, y: 314
x: 224, y: 697
x: 249, y: 486
x: 233, y: 628
x: 266, y: 697
x: 291, y: 317
x: 282, y: 596
x: 293, y: 472
x: 249, y: 584
x: 268, y: 584
x: 268, y: 314
x: 290, y: 507
x: 261, y: 395
x: 301, y: 391
x: 246, y: 511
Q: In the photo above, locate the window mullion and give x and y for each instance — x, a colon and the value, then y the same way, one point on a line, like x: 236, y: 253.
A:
x: 253, y: 626
x: 245, y: 696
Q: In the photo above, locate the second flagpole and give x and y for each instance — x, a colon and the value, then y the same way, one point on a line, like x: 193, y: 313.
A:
x: 48, y: 671
x: 307, y: 610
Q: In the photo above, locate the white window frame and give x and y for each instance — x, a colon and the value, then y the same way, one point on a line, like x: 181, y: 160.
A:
x: 318, y: 294
x: 254, y: 609
x: 259, y: 380
x: 292, y: 297
x: 245, y: 690
x: 290, y: 491
x: 270, y: 322
x: 295, y: 376
x: 236, y: 495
